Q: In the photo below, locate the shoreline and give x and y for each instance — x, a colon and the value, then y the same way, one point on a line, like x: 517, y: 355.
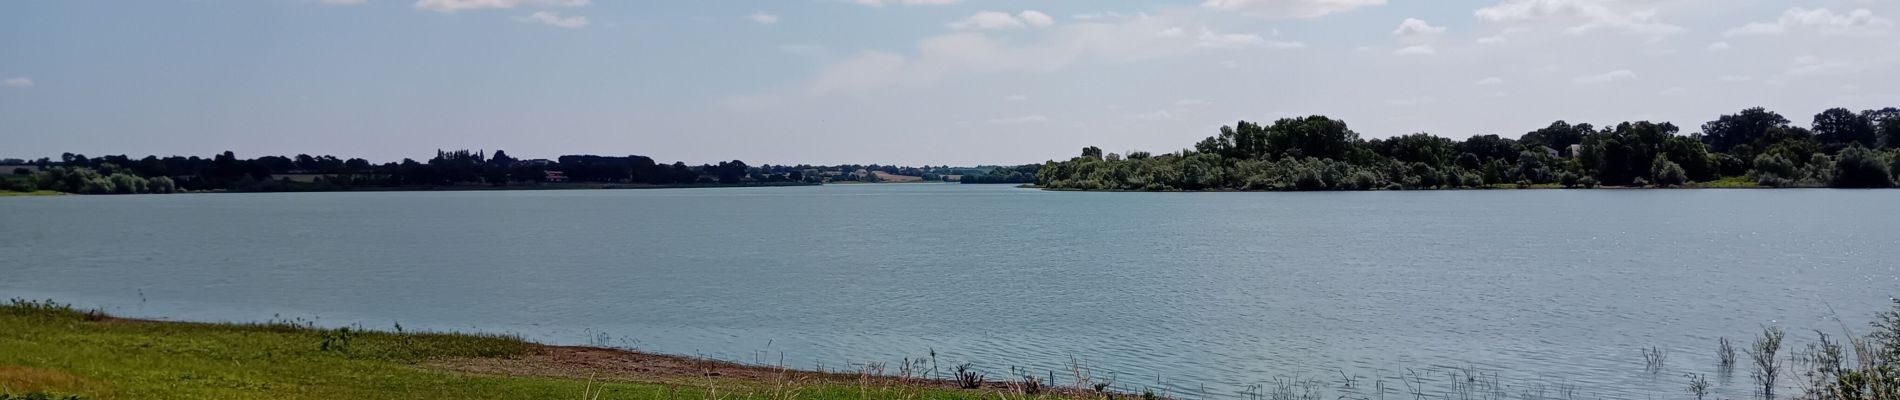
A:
x: 53, y: 349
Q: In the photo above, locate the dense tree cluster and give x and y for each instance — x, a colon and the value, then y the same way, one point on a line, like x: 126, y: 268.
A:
x: 1841, y: 148
x: 76, y: 173
x: 87, y: 181
x: 1020, y: 174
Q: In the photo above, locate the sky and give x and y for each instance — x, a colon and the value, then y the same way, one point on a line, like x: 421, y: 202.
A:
x: 909, y: 82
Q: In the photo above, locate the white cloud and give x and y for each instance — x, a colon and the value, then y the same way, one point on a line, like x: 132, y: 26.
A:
x: 1718, y: 46
x: 1821, y: 20
x: 1411, y: 102
x: 1036, y: 18
x: 18, y: 82
x: 1672, y: 91
x: 970, y: 52
x: 552, y: 18
x: 881, y: 3
x: 342, y: 2
x: 1026, y: 119
x: 1100, y: 15
x: 1491, y: 81
x: 1290, y: 8
x: 1810, y: 65
x: 1190, y: 102
x: 991, y: 20
x: 1173, y: 32
x: 1017, y: 97
x: 1502, y: 36
x: 1211, y: 39
x: 449, y: 6
x: 1417, y: 27
x: 1419, y: 50
x: 1589, y: 15
x: 1607, y: 77
x: 1153, y: 116
x: 762, y: 18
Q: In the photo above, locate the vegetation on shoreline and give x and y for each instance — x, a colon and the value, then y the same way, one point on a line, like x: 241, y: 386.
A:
x: 1755, y: 147
x: 448, y: 170
x: 51, y: 351
x: 1020, y: 174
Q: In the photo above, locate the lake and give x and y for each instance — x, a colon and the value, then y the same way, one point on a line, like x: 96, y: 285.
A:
x: 1553, y: 291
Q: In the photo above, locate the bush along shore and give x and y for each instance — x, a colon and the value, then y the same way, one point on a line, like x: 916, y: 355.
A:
x: 1753, y: 148
x: 52, y: 351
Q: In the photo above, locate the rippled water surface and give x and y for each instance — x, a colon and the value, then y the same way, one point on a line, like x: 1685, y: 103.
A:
x: 1550, y: 290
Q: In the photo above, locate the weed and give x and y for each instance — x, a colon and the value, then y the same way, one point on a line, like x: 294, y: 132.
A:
x: 1725, y: 354
x: 1654, y: 359
x: 1698, y: 386
x: 337, y: 340
x: 40, y: 395
x: 1029, y: 385
x: 968, y: 377
x: 1767, y: 367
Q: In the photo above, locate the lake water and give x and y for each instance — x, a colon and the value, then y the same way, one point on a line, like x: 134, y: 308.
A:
x: 1551, y: 290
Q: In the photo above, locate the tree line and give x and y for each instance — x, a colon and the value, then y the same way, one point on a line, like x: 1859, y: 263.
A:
x: 1754, y: 147
x: 119, y: 174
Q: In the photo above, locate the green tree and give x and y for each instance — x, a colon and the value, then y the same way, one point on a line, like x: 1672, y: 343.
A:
x: 1315, y: 136
x: 1742, y: 128
x: 1693, y: 157
x: 1841, y: 127
x: 1859, y: 167
x: 1886, y: 123
x: 1434, y: 151
x: 1668, y: 173
x: 1492, y: 147
x: 1559, y: 136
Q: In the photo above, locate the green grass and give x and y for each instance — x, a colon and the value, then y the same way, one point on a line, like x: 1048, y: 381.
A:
x: 1729, y: 182
x: 4, y: 193
x: 45, y: 347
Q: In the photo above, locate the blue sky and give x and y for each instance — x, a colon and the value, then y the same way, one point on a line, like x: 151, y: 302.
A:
x: 895, y: 81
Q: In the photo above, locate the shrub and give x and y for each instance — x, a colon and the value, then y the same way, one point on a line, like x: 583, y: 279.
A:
x: 1365, y: 181
x: 1309, y: 179
x: 1767, y: 367
x: 967, y: 377
x: 1588, y: 182
x: 40, y: 395
x: 1858, y: 167
x: 1668, y: 173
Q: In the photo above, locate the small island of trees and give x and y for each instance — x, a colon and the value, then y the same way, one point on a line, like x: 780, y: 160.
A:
x: 1752, y: 148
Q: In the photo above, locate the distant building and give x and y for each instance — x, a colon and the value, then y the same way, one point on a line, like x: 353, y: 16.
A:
x: 1575, y: 150
x: 556, y: 176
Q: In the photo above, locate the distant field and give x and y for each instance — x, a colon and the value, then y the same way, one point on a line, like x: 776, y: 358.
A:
x: 894, y: 178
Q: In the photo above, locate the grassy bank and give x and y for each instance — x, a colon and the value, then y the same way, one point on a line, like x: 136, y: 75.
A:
x: 47, y: 348
x: 4, y: 193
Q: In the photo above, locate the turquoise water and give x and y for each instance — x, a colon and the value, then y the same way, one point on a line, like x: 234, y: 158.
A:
x: 1551, y: 290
